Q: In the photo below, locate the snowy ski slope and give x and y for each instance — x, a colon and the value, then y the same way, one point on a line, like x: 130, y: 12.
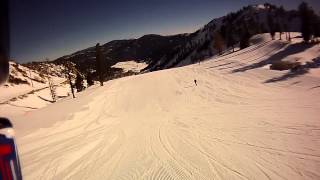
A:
x: 242, y: 121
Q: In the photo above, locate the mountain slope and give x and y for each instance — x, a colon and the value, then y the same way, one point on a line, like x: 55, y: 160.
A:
x: 160, y: 125
x: 27, y: 88
x: 162, y: 52
x: 145, y: 49
x: 247, y: 22
x: 24, y: 79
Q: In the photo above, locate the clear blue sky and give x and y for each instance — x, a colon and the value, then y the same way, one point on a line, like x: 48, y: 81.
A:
x: 52, y: 28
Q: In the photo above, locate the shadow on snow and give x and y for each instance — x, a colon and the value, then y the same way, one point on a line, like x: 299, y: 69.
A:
x: 303, y: 69
x: 290, y: 50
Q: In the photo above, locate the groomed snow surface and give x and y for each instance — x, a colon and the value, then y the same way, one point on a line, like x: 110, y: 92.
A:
x: 242, y: 121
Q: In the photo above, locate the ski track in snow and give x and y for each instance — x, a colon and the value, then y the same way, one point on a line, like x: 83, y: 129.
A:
x: 161, y: 126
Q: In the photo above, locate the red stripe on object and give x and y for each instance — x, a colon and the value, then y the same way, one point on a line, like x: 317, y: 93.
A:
x: 8, y: 169
x: 5, y: 149
x: 2, y: 170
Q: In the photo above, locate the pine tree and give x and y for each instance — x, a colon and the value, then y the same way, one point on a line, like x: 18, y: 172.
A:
x: 271, y: 25
x: 90, y: 81
x: 218, y: 42
x: 99, y: 64
x: 231, y: 38
x: 306, y: 18
x: 281, y: 20
x: 229, y: 33
x: 316, y: 25
x: 79, y: 83
x: 245, y: 37
x: 279, y: 29
x: 288, y: 30
x: 51, y: 86
x: 285, y: 27
x: 52, y: 89
x: 68, y: 69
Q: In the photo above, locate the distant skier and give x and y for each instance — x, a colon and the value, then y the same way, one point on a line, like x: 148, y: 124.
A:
x: 195, y: 82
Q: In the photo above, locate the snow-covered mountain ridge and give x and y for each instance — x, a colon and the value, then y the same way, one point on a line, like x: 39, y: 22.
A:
x: 162, y: 52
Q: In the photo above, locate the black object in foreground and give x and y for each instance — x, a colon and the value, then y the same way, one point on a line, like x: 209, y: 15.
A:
x: 4, y: 40
x: 9, y: 159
